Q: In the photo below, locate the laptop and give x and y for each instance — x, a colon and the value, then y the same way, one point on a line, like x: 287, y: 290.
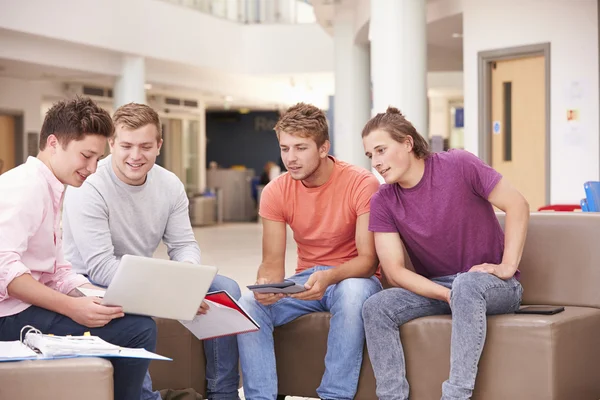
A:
x: 159, y: 288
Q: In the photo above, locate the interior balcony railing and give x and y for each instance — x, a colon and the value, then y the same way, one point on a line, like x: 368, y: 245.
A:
x: 255, y: 11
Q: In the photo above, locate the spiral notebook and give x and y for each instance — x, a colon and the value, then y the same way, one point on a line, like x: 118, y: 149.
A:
x: 34, y: 345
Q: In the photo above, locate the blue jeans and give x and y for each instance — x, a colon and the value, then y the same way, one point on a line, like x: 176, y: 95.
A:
x: 222, y: 372
x: 473, y: 296
x: 345, y: 342
x: 129, y: 331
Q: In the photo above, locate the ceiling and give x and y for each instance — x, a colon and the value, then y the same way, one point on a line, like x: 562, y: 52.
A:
x: 35, y: 72
x: 212, y: 99
x: 444, y: 49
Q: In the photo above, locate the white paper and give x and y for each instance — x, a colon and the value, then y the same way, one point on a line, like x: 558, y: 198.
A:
x: 220, y: 320
x: 16, y: 349
x: 56, y: 346
x: 141, y: 353
x: 92, y: 292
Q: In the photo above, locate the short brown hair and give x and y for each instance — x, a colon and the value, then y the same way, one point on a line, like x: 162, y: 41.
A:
x: 304, y: 120
x: 135, y: 116
x: 394, y: 123
x: 73, y: 119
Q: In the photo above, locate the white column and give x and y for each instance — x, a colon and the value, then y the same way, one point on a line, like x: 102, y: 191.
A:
x: 398, y: 35
x: 202, y: 147
x: 352, y: 100
x: 130, y: 85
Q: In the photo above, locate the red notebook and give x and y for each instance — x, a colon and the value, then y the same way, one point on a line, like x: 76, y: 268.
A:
x: 225, y: 317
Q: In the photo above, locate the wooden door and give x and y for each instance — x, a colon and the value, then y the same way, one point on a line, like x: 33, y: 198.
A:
x: 519, y: 125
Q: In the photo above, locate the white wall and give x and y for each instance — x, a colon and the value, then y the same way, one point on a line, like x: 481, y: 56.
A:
x: 571, y: 28
x: 160, y: 30
x: 273, y: 49
x: 25, y: 97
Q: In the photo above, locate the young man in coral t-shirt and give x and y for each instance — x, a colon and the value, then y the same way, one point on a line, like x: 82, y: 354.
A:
x: 325, y: 202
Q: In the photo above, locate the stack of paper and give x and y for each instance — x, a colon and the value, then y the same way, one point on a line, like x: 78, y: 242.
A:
x: 56, y: 346
x: 15, y: 350
x: 37, y: 346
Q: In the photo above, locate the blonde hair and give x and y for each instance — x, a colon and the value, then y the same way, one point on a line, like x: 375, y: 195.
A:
x: 304, y: 120
x: 135, y: 116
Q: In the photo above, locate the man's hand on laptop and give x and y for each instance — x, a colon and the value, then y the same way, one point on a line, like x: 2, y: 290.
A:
x: 89, y: 312
x: 203, y: 308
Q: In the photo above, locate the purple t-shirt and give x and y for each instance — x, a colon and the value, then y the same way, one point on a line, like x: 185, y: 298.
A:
x: 445, y: 221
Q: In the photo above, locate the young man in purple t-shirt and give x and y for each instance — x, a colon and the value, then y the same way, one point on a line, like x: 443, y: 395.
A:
x: 440, y: 207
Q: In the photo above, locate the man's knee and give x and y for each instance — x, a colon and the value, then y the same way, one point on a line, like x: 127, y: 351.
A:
x: 372, y: 308
x: 248, y: 302
x: 144, y: 329
x: 229, y: 285
x: 469, y: 285
x: 356, y: 290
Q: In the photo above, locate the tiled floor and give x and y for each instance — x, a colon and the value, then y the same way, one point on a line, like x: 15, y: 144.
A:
x: 236, y: 250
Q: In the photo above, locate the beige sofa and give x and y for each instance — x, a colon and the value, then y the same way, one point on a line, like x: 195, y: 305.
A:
x: 526, y: 356
x: 532, y: 357
x: 68, y: 379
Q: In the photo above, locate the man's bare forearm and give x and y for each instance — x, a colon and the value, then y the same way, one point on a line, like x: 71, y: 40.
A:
x: 28, y: 290
x: 515, y: 232
x: 362, y: 266
x: 271, y: 271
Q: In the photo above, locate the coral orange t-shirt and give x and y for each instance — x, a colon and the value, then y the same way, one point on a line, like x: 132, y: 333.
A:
x: 322, y: 218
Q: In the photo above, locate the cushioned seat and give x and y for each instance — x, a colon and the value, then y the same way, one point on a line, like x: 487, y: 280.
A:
x: 66, y: 379
x: 533, y: 357
x: 525, y: 357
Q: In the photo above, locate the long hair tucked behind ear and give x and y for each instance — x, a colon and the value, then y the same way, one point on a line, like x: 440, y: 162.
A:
x: 394, y: 123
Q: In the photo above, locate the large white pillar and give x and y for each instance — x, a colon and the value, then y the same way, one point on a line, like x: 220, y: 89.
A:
x: 130, y: 84
x: 352, y: 101
x: 202, y: 146
x: 398, y: 35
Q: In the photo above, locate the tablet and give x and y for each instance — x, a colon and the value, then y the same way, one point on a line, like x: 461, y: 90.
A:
x: 286, y: 287
x: 544, y: 310
x: 159, y: 288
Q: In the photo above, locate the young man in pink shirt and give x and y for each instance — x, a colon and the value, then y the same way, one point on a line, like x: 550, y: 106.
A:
x: 37, y: 285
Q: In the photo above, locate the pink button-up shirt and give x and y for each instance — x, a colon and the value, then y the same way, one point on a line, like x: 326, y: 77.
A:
x: 30, y: 234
